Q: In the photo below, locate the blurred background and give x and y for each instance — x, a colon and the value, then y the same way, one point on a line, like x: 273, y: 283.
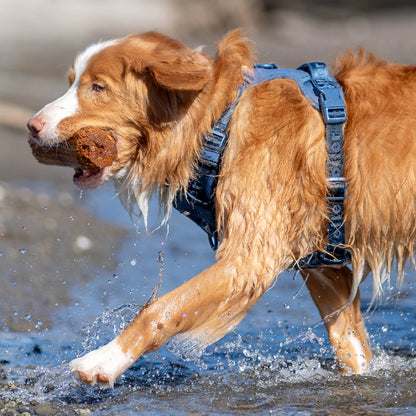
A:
x: 39, y: 39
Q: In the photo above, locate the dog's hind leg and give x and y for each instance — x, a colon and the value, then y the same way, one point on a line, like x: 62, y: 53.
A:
x: 330, y: 290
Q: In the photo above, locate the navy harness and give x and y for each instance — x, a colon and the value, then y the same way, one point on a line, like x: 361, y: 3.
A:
x: 325, y: 94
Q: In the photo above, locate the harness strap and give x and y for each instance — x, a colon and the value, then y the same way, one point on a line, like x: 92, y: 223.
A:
x: 332, y: 107
x: 198, y: 203
x: 269, y: 72
x: 325, y: 94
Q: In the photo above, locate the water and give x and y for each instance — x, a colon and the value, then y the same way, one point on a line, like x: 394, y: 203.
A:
x: 272, y: 364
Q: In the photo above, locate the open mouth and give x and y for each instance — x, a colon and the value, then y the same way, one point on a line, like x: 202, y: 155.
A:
x: 79, y: 174
x: 86, y: 179
x: 90, y: 151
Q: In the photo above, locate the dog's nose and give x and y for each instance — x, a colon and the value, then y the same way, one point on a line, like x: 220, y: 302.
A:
x: 35, y: 126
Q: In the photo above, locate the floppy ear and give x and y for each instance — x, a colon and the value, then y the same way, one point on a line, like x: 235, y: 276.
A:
x: 172, y: 65
x: 174, y: 70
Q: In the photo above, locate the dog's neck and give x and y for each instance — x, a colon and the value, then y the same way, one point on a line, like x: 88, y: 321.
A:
x: 166, y: 164
x: 198, y: 202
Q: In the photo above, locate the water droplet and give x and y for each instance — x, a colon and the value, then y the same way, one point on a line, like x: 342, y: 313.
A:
x: 384, y: 328
x: 133, y: 262
x: 23, y: 227
x: 22, y: 250
x: 81, y: 194
x: 286, y: 306
x: 28, y: 317
x: 71, y: 218
x: 1, y: 254
x: 83, y: 243
x: 38, y: 324
x: 115, y: 276
x: 45, y: 208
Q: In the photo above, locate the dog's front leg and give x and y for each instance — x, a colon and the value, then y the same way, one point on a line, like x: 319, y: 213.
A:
x: 204, y: 309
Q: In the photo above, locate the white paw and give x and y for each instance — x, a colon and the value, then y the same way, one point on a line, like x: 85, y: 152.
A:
x: 103, y: 365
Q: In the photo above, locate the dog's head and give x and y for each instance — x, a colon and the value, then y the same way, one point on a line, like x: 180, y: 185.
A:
x: 155, y: 97
x: 135, y: 88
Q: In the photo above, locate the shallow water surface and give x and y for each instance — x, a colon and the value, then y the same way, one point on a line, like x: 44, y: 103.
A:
x: 276, y: 362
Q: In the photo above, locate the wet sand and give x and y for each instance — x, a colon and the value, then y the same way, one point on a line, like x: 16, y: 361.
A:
x: 50, y: 240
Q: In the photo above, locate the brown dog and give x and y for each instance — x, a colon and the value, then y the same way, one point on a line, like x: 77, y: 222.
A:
x: 157, y: 98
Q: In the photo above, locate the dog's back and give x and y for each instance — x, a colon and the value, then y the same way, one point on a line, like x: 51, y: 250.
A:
x: 380, y: 154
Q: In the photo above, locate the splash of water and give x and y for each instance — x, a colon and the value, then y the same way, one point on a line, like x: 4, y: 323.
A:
x: 108, y: 325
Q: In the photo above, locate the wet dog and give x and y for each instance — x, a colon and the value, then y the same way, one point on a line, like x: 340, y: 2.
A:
x: 157, y: 98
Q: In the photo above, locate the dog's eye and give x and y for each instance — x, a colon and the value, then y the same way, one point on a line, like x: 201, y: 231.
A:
x: 96, y: 87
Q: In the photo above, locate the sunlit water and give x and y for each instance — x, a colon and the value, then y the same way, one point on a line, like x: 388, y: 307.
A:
x: 272, y: 364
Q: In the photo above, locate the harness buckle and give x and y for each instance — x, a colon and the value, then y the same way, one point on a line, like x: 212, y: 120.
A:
x: 337, y: 189
x: 222, y: 136
x: 331, y: 97
x: 331, y: 111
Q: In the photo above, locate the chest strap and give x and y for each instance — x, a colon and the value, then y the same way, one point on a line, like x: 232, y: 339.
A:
x: 198, y: 203
x: 332, y: 107
x: 325, y: 94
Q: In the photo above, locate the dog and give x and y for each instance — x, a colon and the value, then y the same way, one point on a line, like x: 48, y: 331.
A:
x: 158, y: 98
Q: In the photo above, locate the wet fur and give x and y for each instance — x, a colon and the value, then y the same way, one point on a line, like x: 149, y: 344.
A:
x: 272, y: 213
x: 270, y: 199
x: 380, y: 150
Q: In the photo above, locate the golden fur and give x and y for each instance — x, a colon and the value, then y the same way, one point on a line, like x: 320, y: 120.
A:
x: 161, y: 97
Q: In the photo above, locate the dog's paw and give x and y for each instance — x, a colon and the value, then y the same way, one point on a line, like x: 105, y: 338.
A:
x: 102, y: 366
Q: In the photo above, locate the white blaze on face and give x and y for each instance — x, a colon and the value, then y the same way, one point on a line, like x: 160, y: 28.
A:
x: 67, y: 105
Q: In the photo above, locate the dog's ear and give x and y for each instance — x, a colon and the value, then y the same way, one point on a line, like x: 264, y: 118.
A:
x: 178, y: 72
x: 172, y: 65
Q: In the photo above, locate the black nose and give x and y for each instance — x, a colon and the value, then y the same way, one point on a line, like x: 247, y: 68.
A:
x: 35, y: 126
